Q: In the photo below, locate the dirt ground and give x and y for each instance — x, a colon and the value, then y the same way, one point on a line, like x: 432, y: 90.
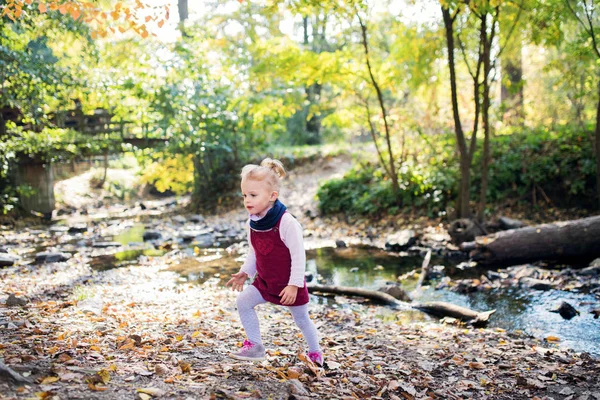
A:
x: 142, y: 331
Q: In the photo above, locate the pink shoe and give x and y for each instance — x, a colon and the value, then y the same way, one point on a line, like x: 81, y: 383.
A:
x: 316, y: 357
x: 250, y: 352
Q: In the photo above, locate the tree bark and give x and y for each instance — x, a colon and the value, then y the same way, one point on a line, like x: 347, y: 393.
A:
x: 437, y: 308
x: 576, y: 240
x: 463, y: 210
x: 376, y: 295
x: 597, y: 136
x: 7, y: 372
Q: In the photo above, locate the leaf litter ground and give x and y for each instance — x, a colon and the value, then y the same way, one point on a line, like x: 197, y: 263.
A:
x: 142, y: 332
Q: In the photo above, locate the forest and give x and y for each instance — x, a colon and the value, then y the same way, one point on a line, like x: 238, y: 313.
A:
x: 443, y: 160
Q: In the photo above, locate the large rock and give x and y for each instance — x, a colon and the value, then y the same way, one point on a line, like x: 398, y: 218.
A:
x: 51, y: 257
x: 104, y: 245
x: 6, y: 260
x: 566, y: 310
x: 401, y: 241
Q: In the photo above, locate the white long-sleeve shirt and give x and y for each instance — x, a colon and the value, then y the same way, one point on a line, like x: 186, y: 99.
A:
x: 290, y: 232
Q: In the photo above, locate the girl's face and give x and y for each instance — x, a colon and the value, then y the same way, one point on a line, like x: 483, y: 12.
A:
x: 258, y: 196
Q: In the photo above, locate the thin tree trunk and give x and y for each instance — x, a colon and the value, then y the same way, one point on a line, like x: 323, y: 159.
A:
x: 374, y: 137
x: 487, y: 49
x: 392, y: 164
x: 462, y: 209
x: 597, y: 135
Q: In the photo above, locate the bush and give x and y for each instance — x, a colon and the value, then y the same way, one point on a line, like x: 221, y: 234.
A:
x: 365, y: 190
x: 559, y: 165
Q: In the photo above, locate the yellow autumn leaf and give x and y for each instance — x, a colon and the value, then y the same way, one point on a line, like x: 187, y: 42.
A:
x: 96, y: 388
x: 104, y: 375
x: 553, y: 338
x: 95, y: 348
x: 49, y: 379
x: 196, y: 334
x: 161, y: 23
x: 151, y: 391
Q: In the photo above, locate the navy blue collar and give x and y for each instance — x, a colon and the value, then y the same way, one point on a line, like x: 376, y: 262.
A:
x: 271, y: 219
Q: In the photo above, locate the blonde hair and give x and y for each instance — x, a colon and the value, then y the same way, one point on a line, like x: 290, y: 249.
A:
x: 269, y: 170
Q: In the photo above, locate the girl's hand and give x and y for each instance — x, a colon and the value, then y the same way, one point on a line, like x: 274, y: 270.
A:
x: 288, y: 295
x: 237, y: 282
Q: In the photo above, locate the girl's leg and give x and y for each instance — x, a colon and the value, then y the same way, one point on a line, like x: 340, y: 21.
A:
x: 246, y: 302
x: 300, y: 314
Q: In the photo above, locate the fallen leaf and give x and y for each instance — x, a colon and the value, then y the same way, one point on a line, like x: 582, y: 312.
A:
x: 476, y: 365
x: 49, y: 379
x: 552, y: 338
x: 151, y: 391
x: 96, y: 388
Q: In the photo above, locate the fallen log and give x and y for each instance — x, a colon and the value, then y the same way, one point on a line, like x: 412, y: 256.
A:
x: 425, y: 268
x: 7, y: 372
x: 442, y: 309
x: 437, y: 309
x: 378, y: 296
x: 577, y: 240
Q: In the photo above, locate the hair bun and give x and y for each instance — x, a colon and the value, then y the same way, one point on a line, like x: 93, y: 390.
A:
x: 274, y: 165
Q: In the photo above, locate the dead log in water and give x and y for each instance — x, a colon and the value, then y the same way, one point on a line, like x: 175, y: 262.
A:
x: 438, y: 308
x: 559, y: 241
x: 8, y: 373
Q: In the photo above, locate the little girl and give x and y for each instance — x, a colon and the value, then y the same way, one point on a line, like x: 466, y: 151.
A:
x: 276, y: 257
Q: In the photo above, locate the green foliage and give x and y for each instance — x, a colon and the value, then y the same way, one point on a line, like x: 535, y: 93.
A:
x: 556, y: 163
x: 365, y: 190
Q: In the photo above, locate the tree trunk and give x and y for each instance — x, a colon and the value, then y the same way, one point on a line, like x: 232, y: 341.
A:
x: 485, y: 115
x: 597, y: 136
x: 392, y: 163
x: 463, y: 210
x: 8, y: 373
x: 569, y: 241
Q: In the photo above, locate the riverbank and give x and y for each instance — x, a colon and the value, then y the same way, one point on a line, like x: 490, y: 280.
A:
x: 106, y: 335
x: 113, y: 315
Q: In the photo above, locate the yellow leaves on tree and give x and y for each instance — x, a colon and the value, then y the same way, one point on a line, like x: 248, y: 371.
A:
x: 123, y: 18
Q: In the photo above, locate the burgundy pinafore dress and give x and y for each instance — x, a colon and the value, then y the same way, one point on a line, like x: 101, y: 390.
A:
x: 273, y: 266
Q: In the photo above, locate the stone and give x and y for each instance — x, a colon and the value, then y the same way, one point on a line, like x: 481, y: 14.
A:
x: 396, y: 292
x: 197, y: 219
x: 78, y: 228
x: 566, y: 310
x: 51, y: 257
x: 401, y: 241
x: 14, y: 301
x: 59, y: 229
x: 592, y: 270
x: 103, y: 245
x: 180, y: 219
x: 536, y: 284
x: 6, y: 260
x: 152, y: 235
x: 340, y: 244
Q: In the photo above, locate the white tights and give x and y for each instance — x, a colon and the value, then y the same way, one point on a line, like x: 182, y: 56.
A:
x: 251, y: 297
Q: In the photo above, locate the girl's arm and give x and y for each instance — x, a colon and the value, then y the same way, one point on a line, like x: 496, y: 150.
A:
x: 290, y: 231
x: 249, y: 266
